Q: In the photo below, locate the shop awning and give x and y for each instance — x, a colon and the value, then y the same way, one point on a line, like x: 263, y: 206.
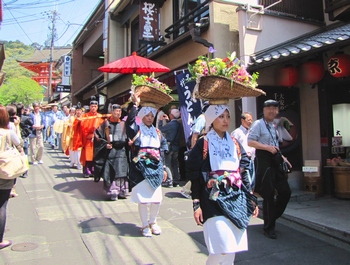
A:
x: 316, y: 41
x: 65, y: 100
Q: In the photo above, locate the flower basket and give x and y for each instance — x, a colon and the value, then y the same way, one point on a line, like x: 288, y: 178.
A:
x: 216, y: 88
x: 150, y: 96
x: 221, y: 79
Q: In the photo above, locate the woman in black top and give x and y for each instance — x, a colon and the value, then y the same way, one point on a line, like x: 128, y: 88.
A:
x: 217, y: 163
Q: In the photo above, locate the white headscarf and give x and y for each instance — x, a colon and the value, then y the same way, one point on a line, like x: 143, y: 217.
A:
x: 222, y: 151
x: 212, y: 113
x: 145, y: 110
x: 149, y: 136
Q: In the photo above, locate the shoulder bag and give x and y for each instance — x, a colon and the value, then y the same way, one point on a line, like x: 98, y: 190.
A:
x: 12, y: 163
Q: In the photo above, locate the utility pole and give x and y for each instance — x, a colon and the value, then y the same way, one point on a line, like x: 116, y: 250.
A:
x: 52, y: 16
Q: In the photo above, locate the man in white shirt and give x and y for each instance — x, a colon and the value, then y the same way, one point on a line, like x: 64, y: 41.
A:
x: 241, y: 134
x: 54, y: 115
x: 36, y: 140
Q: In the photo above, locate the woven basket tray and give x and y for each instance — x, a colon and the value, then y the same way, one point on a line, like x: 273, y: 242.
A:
x: 150, y: 96
x: 217, y: 87
x: 344, y: 164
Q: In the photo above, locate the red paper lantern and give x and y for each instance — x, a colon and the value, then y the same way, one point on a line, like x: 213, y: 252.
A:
x: 339, y: 65
x: 312, y: 72
x: 288, y: 76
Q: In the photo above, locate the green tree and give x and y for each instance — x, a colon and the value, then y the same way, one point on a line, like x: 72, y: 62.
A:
x: 18, y: 85
x: 22, y: 89
x: 16, y: 50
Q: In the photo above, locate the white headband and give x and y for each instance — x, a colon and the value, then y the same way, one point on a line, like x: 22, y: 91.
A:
x: 145, y: 110
x: 212, y: 113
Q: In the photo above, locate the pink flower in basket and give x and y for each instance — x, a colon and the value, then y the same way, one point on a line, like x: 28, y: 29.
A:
x: 229, y: 67
x: 241, y: 75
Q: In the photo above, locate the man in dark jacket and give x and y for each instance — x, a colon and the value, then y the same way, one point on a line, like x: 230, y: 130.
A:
x: 172, y: 135
x: 25, y: 125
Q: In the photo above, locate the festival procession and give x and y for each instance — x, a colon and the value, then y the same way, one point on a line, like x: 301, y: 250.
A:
x: 147, y: 144
x: 174, y: 132
x: 134, y: 150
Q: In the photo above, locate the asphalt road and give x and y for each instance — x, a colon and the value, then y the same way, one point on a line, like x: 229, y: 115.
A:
x: 295, y: 244
x: 60, y: 217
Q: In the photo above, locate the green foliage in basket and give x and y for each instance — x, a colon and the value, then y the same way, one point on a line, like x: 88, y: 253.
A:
x: 144, y: 80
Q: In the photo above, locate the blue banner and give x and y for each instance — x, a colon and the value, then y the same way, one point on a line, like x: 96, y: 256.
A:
x: 189, y: 109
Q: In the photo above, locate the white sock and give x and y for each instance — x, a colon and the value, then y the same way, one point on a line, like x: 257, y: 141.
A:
x: 154, y: 210
x: 228, y: 259
x: 143, y: 211
x: 222, y: 259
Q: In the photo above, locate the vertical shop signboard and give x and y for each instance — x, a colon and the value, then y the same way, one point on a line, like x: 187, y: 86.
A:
x: 149, y: 26
x: 66, y: 71
x: 190, y: 109
x: 67, y: 66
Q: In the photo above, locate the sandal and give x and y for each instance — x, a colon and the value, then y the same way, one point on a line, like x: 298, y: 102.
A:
x: 155, y: 229
x: 146, y: 231
x: 5, y: 244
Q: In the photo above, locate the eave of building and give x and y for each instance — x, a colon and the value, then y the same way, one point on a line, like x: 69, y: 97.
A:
x: 46, y: 77
x: 64, y: 100
x: 42, y: 56
x: 60, y: 61
x: 336, y: 35
x: 96, y: 17
x: 34, y: 67
x: 119, y: 8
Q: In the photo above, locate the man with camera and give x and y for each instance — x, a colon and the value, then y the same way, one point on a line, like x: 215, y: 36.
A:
x: 268, y: 159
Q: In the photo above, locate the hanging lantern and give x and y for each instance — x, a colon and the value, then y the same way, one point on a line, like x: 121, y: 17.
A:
x: 339, y: 65
x: 312, y: 72
x: 287, y: 76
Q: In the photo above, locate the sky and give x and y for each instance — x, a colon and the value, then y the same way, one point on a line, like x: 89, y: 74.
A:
x: 28, y: 22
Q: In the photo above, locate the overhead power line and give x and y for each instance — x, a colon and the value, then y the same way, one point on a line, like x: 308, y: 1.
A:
x: 36, y: 4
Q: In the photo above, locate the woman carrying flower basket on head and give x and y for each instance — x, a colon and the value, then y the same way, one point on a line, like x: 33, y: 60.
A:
x: 146, y: 167
x: 222, y: 199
